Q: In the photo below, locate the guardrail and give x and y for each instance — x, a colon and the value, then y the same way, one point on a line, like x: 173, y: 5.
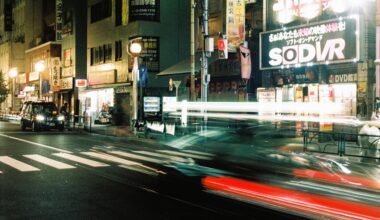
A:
x: 342, y: 144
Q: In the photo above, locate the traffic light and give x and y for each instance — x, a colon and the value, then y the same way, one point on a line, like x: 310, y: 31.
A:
x: 222, y: 47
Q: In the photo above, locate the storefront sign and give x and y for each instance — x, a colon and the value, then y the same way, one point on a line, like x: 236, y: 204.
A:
x: 235, y: 23
x: 55, y: 73
x: 331, y: 41
x: 33, y: 76
x: 148, y: 10
x: 67, y: 83
x: 245, y: 59
x: 104, y: 77
x: 152, y: 104
x: 81, y: 83
x: 346, y: 78
x: 67, y: 72
x: 58, y: 20
x: 122, y: 89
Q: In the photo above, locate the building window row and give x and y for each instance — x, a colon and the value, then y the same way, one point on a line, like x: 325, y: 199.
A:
x: 101, y: 10
x: 118, y: 50
x: 101, y: 54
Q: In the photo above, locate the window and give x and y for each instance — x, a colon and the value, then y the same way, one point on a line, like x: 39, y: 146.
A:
x: 101, y: 10
x: 118, y: 12
x: 101, y: 54
x: 118, y: 50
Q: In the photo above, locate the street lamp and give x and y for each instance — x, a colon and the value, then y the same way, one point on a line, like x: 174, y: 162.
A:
x: 40, y: 67
x: 135, y: 50
x: 12, y: 74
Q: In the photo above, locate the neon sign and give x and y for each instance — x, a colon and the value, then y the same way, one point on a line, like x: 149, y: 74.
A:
x: 286, y: 11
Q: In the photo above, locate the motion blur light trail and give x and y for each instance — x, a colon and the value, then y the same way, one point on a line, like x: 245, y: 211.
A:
x: 337, y: 178
x: 303, y: 203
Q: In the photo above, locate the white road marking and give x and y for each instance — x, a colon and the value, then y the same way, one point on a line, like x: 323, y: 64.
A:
x: 23, y: 167
x: 198, y: 152
x: 34, y: 143
x: 134, y: 156
x: 184, y: 154
x: 141, y: 169
x: 111, y: 158
x: 91, y: 163
x: 170, y: 157
x: 49, y: 162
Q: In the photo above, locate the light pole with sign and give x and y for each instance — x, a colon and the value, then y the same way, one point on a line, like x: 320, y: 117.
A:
x: 12, y: 74
x: 135, y: 50
x: 40, y: 67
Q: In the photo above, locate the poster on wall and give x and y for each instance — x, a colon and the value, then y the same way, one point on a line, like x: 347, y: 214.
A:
x: 331, y: 41
x: 235, y: 21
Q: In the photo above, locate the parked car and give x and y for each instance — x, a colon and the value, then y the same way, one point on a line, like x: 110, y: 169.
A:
x: 41, y: 115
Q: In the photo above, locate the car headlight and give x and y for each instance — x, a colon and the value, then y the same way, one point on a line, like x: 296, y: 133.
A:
x: 61, y: 118
x: 40, y: 118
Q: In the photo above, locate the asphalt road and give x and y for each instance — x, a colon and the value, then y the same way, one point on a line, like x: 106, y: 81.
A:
x: 70, y: 175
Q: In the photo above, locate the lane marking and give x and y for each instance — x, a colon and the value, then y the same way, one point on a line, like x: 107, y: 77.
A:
x: 49, y: 162
x: 170, y: 157
x: 111, y: 158
x: 184, y: 154
x: 88, y: 162
x: 37, y: 144
x: 23, y: 167
x: 198, y: 152
x: 139, y: 157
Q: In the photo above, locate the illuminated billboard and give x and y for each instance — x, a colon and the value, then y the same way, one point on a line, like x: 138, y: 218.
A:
x: 333, y: 41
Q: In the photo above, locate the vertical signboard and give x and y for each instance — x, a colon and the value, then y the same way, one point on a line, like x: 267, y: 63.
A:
x: 58, y: 20
x: 55, y: 73
x: 235, y: 21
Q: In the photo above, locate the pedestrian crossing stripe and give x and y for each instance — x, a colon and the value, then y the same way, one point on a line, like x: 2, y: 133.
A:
x: 88, y: 162
x: 111, y: 158
x: 170, y: 157
x: 184, y: 154
x: 23, y: 167
x: 138, y: 157
x: 49, y: 162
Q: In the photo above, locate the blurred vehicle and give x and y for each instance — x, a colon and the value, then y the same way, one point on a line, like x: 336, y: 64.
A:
x: 41, y: 115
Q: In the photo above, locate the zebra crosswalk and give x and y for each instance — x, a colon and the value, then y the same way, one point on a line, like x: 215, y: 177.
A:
x: 93, y: 159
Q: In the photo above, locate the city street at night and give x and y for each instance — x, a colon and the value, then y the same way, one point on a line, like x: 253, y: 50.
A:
x: 190, y: 109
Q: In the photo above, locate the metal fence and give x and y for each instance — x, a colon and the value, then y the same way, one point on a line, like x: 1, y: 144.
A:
x: 342, y: 144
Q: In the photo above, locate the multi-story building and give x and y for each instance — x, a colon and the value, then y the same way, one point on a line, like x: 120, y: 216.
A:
x: 112, y: 26
x: 12, y: 47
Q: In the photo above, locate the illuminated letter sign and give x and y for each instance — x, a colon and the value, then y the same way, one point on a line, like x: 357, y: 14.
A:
x: 330, y: 41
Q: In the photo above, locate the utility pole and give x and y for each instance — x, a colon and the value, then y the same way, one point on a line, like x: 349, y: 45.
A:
x: 204, y: 62
x: 192, y: 51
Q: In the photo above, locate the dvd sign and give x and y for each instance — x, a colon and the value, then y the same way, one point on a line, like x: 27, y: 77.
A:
x: 330, y: 41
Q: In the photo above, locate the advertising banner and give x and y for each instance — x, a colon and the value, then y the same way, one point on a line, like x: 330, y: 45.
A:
x: 333, y: 41
x: 235, y: 24
x: 55, y: 73
x: 245, y: 59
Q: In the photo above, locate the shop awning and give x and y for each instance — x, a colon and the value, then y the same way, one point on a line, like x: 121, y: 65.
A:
x: 184, y: 66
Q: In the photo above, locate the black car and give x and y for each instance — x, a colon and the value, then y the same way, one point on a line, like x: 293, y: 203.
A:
x: 41, y: 115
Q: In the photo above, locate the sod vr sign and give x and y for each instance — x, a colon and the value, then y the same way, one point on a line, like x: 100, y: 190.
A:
x: 332, y: 41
